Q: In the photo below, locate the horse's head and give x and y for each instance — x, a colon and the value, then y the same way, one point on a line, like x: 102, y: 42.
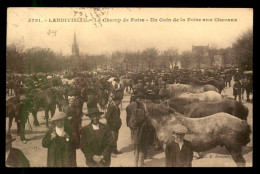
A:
x: 242, y: 111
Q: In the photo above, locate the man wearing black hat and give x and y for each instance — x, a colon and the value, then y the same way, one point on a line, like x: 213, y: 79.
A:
x: 114, y: 121
x: 22, y: 113
x: 14, y: 157
x: 96, y: 141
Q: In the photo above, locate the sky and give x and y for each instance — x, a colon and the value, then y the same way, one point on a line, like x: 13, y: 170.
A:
x: 175, y: 31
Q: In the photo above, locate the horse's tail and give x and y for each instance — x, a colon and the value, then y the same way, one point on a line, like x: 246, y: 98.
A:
x: 245, y: 134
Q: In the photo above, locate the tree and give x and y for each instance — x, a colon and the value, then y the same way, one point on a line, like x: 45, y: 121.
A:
x: 212, y: 52
x: 164, y: 61
x: 172, y: 55
x: 117, y: 60
x: 128, y: 59
x: 42, y: 60
x: 149, y: 55
x: 15, y: 59
x: 243, y: 49
x: 187, y: 59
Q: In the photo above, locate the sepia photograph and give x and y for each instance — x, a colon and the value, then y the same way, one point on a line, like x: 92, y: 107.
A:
x: 129, y: 87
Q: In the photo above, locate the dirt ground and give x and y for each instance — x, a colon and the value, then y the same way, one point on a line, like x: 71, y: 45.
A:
x: 37, y: 155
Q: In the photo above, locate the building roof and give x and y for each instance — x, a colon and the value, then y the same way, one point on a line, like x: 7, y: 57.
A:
x: 200, y: 48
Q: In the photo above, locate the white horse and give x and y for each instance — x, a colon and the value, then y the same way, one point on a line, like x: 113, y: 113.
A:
x: 209, y: 96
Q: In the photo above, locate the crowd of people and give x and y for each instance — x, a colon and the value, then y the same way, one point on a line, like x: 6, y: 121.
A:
x: 98, y: 141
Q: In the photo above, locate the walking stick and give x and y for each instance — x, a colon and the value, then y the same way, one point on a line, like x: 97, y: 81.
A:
x: 30, y: 126
x: 100, y: 164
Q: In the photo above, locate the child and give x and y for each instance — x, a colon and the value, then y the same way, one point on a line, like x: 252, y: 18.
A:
x: 179, y: 153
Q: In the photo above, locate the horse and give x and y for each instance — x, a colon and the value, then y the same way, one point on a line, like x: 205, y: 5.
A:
x: 209, y: 96
x: 230, y: 106
x: 246, y: 85
x: 174, y: 90
x: 46, y: 99
x: 127, y: 83
x: 11, y: 110
x: 10, y: 85
x: 204, y: 133
x: 103, y: 97
x: 219, y: 84
x: 210, y: 88
x: 192, y: 107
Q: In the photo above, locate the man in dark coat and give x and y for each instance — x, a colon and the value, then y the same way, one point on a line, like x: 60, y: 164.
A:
x: 14, y: 157
x: 60, y: 142
x: 179, y: 153
x: 137, y: 123
x: 237, y: 90
x: 21, y: 114
x: 114, y: 121
x: 77, y: 105
x: 96, y: 141
x: 73, y: 126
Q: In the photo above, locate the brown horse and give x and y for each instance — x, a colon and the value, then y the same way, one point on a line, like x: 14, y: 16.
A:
x: 230, y: 106
x: 103, y: 97
x: 127, y: 83
x: 218, y: 83
x: 204, y: 133
x: 11, y: 110
x: 193, y: 108
x: 46, y: 99
x: 11, y: 86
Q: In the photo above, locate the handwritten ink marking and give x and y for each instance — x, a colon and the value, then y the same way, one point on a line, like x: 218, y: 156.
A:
x: 52, y: 32
x: 75, y: 12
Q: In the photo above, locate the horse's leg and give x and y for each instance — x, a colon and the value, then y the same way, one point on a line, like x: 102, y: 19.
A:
x: 236, y: 154
x: 52, y: 111
x: 35, y: 120
x: 59, y: 106
x: 47, y: 117
x: 10, y: 123
x: 18, y: 127
x: 242, y: 93
x: 247, y: 94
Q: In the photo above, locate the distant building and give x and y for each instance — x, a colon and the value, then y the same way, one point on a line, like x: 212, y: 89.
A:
x: 215, y: 56
x: 200, y: 50
x: 75, y: 47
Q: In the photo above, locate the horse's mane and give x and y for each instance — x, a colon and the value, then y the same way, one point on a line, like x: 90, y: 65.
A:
x: 158, y: 111
x: 183, y: 100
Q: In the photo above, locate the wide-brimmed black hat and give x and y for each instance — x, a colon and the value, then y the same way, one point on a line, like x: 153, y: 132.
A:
x: 9, y: 138
x: 59, y: 116
x: 93, y: 111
